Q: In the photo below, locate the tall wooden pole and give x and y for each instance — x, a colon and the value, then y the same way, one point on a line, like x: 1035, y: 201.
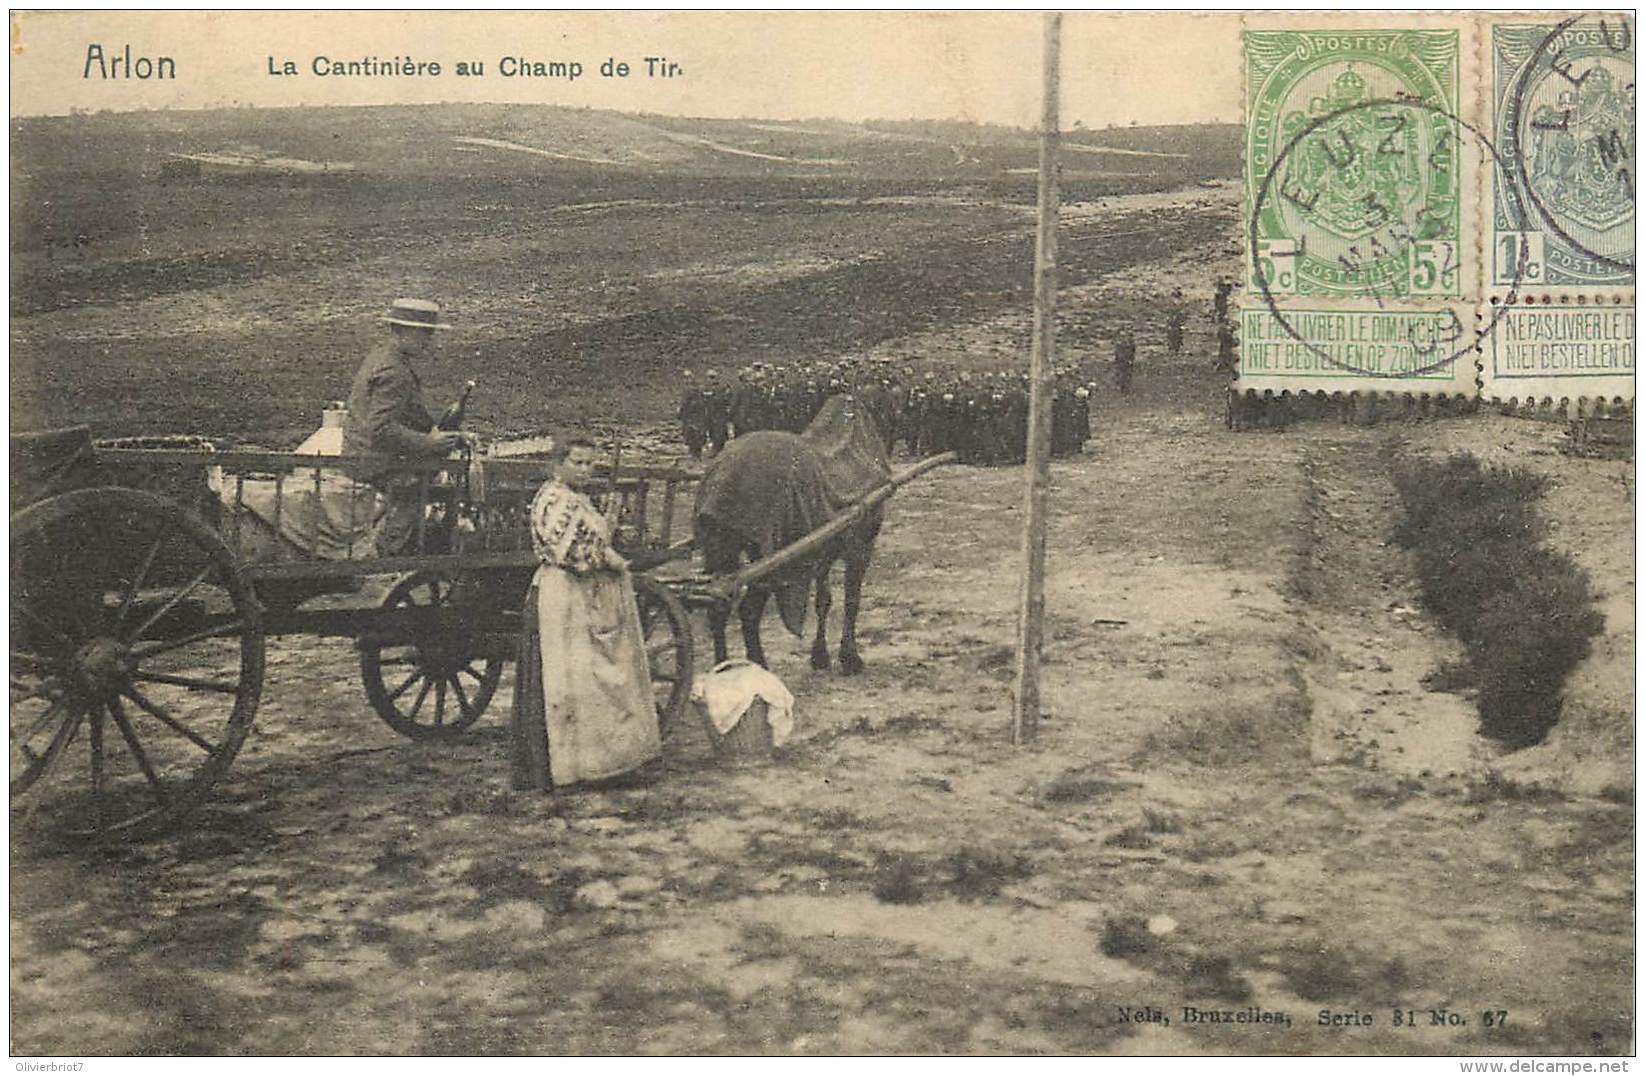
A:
x: 1031, y: 616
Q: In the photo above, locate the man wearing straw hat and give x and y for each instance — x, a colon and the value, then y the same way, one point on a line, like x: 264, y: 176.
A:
x: 387, y: 416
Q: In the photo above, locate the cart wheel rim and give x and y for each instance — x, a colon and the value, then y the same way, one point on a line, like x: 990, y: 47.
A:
x: 435, y: 687
x: 665, y: 628
x: 140, y: 647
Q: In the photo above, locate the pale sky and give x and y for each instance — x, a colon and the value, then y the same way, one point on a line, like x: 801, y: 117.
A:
x: 1147, y: 67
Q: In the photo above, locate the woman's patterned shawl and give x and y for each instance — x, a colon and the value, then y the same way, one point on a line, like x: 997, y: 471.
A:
x: 566, y: 531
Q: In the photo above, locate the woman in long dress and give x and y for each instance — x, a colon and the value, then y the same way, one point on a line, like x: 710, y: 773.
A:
x: 583, y: 705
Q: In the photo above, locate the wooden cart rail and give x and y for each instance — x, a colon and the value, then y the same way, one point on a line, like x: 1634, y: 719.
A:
x: 643, y: 500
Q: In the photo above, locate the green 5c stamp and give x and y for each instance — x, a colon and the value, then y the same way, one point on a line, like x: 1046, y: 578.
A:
x: 1354, y: 166
x: 1563, y: 117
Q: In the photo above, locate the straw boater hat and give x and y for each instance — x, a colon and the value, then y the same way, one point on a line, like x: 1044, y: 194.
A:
x: 415, y: 314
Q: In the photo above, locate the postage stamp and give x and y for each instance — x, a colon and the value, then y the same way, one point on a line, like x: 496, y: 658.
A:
x: 1352, y: 163
x: 1562, y: 113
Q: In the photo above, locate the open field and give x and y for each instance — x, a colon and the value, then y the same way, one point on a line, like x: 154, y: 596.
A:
x: 1247, y: 795
x: 244, y: 301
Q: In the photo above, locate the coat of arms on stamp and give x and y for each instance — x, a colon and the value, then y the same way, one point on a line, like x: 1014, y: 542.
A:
x: 1564, y: 120
x: 1353, y: 163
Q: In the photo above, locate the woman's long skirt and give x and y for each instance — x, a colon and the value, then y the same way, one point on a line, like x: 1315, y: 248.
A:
x: 583, y: 705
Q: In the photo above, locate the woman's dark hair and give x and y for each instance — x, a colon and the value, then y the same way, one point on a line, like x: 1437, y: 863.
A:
x: 563, y: 445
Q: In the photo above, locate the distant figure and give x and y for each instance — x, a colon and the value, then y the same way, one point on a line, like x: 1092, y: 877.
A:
x: 1176, y: 318
x: 1125, y: 357
x: 716, y: 410
x: 1225, y: 288
x: 693, y: 417
x: 1226, y: 362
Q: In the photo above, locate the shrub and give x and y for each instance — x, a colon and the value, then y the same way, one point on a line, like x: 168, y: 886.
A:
x: 897, y: 879
x: 980, y: 873
x: 1524, y: 611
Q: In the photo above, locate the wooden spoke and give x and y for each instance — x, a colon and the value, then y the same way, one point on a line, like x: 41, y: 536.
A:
x: 160, y: 646
x: 165, y: 716
x: 390, y: 668
x: 172, y: 601
x: 142, y: 573
x: 42, y: 721
x: 421, y: 695
x: 226, y: 687
x: 404, y: 684
x: 97, y: 769
x: 462, y: 698
x: 67, y: 608
x: 155, y: 784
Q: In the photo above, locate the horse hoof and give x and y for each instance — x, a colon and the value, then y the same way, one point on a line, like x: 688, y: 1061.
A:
x: 820, y: 661
x: 850, y: 664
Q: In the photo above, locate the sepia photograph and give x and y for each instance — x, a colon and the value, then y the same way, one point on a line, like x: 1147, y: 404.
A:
x: 798, y: 533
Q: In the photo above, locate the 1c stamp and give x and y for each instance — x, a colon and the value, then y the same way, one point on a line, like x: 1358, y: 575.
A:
x: 1563, y: 114
x: 1356, y: 197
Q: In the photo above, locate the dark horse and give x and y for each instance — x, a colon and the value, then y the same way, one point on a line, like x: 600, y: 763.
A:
x: 769, y: 489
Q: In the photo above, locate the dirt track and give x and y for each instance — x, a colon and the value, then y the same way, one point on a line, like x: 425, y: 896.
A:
x: 1244, y: 799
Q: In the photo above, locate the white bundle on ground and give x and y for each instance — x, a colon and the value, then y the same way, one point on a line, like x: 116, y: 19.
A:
x: 727, y: 692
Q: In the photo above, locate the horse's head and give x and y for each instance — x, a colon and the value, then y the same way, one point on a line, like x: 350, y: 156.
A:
x: 879, y: 407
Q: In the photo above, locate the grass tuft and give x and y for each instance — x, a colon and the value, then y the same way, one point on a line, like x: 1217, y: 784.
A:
x: 979, y: 874
x: 897, y: 880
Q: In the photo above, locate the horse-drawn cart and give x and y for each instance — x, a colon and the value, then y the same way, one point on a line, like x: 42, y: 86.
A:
x: 145, y: 583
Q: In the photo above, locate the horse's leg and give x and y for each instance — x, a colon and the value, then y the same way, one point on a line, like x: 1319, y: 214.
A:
x: 857, y: 557
x: 752, y: 610
x: 719, y: 558
x: 825, y: 598
x: 716, y: 627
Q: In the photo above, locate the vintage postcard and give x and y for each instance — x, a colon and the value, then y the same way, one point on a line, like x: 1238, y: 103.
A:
x: 521, y: 524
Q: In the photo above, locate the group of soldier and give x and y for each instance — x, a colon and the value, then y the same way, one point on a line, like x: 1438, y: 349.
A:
x: 983, y: 417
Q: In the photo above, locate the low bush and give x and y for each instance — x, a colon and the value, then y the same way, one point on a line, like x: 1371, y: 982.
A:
x: 1524, y: 611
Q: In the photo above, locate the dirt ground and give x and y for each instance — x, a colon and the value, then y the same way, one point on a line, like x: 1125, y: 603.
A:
x: 1243, y: 801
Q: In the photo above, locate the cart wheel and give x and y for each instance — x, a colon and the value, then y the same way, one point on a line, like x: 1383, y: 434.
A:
x: 136, y: 661
x: 667, y: 632
x: 439, y: 685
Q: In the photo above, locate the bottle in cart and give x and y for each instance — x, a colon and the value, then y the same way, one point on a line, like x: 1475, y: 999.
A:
x: 453, y: 418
